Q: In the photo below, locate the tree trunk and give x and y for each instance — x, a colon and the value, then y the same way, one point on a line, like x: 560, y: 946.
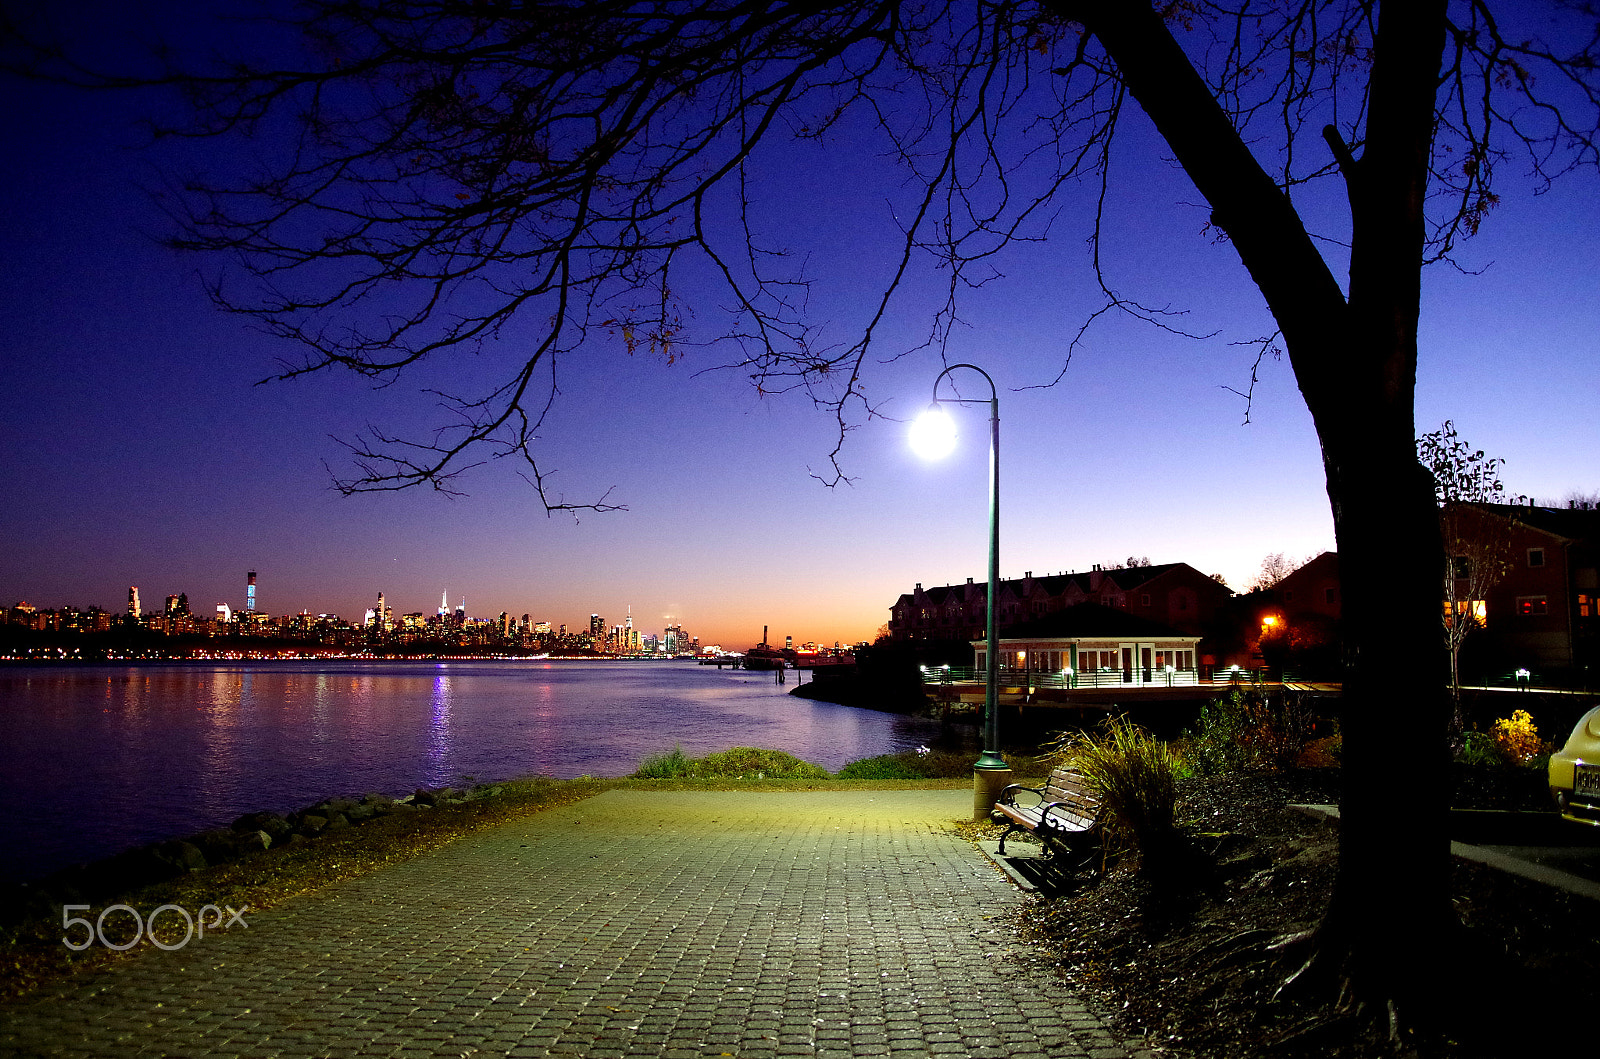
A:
x: 1355, y: 361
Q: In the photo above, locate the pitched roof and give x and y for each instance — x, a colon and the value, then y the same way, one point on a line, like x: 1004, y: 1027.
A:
x: 1089, y: 619
x: 1572, y: 523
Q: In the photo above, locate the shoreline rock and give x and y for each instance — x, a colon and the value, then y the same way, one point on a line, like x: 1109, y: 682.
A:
x: 105, y: 879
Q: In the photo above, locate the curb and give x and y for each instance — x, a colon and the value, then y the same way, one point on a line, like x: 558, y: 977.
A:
x: 1493, y: 858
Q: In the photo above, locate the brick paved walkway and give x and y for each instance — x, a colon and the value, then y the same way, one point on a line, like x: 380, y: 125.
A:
x: 671, y: 924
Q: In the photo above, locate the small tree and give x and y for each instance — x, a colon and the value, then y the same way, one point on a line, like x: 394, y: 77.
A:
x: 1477, y: 544
x: 1274, y: 568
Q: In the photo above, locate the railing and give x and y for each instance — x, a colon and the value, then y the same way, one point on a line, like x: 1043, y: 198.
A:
x: 1566, y: 680
x: 1138, y: 677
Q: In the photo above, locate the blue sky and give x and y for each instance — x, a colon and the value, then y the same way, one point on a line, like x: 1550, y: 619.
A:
x: 138, y: 451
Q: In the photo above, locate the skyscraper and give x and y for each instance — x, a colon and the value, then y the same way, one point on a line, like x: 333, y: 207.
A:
x: 250, y: 592
x: 133, y: 601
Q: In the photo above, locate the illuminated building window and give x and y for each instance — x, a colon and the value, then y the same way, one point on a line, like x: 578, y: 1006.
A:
x: 1477, y: 610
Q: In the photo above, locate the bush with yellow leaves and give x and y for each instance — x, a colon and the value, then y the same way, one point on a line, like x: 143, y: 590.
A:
x: 1516, y: 738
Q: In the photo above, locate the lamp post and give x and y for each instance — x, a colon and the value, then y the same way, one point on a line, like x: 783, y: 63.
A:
x: 933, y: 434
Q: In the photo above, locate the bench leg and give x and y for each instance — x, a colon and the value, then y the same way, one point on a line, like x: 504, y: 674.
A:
x: 1008, y: 831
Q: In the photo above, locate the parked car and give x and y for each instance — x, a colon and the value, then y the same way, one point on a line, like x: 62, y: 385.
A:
x: 1575, y: 772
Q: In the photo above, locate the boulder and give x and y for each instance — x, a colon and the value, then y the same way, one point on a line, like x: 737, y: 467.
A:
x: 360, y: 812
x: 184, y: 856
x: 219, y: 845
x: 311, y: 824
x: 253, y: 842
x: 329, y: 806
x: 274, y: 824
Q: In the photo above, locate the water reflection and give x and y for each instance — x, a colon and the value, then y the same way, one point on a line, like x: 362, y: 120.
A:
x: 439, y: 732
x: 95, y: 760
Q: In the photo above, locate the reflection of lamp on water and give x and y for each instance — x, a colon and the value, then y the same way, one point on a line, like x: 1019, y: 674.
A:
x: 934, y: 436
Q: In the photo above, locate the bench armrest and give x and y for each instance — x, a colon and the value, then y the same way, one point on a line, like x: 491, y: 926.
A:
x: 1008, y: 795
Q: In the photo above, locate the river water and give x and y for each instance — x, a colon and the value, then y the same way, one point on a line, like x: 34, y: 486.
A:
x: 96, y: 759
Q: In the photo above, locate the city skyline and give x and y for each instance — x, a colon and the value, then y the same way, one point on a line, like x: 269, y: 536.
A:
x: 139, y: 449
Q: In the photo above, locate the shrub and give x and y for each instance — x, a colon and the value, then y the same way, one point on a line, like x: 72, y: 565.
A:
x: 923, y: 764
x: 1250, y: 731
x: 1516, y: 738
x: 744, y: 762
x: 1478, y: 748
x: 1136, y: 777
x: 1322, y: 753
x: 672, y: 765
x: 740, y: 762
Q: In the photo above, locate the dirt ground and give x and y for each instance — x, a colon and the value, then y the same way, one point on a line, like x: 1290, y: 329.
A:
x: 1194, y: 971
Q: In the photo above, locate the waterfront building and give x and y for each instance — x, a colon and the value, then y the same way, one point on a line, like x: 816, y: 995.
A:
x: 1174, y: 594
x: 1092, y: 645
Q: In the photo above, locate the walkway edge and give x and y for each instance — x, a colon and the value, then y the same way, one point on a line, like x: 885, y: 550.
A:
x: 1539, y: 873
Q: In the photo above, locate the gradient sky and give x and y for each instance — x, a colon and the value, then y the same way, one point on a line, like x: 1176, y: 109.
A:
x: 135, y: 449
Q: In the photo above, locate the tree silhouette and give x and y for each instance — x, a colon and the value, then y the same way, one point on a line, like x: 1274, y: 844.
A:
x: 459, y: 166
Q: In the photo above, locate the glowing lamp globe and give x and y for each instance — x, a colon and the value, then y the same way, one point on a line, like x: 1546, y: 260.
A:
x: 933, y: 434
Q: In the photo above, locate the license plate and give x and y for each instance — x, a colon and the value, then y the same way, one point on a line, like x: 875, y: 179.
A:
x: 1586, y: 781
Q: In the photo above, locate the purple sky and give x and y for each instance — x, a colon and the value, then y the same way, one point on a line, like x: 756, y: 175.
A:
x: 136, y: 450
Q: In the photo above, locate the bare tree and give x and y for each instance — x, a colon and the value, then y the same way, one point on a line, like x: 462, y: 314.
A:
x: 1274, y: 568
x: 1578, y: 499
x: 1477, y: 544
x: 461, y: 165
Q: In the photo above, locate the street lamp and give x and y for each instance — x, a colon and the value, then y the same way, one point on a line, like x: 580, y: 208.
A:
x: 933, y: 434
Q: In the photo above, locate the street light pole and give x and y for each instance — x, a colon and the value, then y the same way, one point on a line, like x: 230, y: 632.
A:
x: 990, y: 758
x: 990, y: 770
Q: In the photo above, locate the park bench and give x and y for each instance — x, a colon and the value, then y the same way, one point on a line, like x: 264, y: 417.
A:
x: 1063, y: 813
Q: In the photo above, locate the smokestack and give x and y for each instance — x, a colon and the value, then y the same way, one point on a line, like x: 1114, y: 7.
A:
x: 763, y: 636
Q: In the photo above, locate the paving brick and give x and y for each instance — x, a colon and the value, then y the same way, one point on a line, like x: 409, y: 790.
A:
x: 668, y: 924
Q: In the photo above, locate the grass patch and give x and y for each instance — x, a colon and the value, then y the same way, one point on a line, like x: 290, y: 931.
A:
x: 736, y: 763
